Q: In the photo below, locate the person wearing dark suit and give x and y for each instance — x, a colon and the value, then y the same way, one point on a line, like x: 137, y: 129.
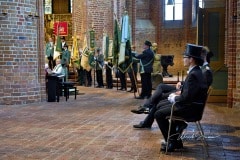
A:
x: 80, y: 71
x: 164, y: 90
x: 194, y: 89
x: 99, y: 58
x: 123, y: 82
x: 146, y: 68
x: 109, y: 79
x: 132, y: 71
x: 63, y: 43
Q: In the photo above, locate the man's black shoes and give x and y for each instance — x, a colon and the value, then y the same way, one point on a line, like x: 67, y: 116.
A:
x: 139, y: 97
x: 141, y: 125
x: 143, y: 97
x: 172, y: 145
x: 180, y: 127
x: 140, y: 110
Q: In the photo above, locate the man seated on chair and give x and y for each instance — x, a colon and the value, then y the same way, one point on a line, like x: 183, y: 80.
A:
x: 164, y: 90
x: 194, y: 89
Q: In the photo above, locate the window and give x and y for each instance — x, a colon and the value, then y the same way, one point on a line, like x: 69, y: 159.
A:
x: 201, y: 4
x: 174, y: 11
x: 71, y: 5
x: 48, y: 7
x: 58, y: 6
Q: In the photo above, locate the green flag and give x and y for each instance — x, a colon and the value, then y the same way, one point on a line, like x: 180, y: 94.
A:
x: 125, y: 55
x: 58, y: 45
x: 116, y: 42
x: 124, y: 66
x: 105, y: 46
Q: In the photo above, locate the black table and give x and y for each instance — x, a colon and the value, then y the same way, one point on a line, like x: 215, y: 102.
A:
x: 53, y: 86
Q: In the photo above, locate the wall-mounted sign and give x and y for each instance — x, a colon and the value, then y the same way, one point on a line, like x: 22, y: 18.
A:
x: 60, y: 28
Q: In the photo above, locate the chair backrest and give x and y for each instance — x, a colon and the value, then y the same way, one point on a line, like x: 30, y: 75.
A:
x: 198, y: 108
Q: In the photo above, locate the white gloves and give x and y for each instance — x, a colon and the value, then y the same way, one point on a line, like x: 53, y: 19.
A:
x: 171, y: 98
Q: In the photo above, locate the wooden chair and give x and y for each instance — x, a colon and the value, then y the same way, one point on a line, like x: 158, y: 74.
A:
x: 196, y: 119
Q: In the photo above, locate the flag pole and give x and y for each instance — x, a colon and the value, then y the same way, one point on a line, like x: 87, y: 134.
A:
x: 135, y: 79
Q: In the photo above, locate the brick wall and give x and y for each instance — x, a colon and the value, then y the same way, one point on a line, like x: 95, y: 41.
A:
x: 236, y: 102
x: 21, y: 76
x: 93, y: 14
x: 232, y: 49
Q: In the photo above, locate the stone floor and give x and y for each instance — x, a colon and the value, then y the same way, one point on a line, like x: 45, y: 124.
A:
x: 98, y: 126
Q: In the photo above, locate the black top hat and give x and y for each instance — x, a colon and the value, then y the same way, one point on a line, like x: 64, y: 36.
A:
x: 148, y: 43
x: 63, y: 37
x: 194, y: 51
x: 98, y: 49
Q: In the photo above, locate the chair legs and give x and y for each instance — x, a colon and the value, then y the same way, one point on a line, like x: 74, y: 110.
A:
x: 202, y: 136
x: 169, y: 128
x: 67, y: 93
x: 200, y: 130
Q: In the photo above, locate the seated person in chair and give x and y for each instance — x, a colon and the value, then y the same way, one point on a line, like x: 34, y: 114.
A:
x: 164, y: 90
x: 193, y: 90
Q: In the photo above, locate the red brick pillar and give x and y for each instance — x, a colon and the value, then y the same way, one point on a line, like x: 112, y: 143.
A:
x: 21, y: 59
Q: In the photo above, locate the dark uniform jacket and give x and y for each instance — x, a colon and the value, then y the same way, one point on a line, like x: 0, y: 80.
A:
x: 194, y: 88
x: 66, y: 55
x: 146, y: 60
x: 99, y: 62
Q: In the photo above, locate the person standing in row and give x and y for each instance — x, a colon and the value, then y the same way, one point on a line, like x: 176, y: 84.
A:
x: 65, y: 60
x: 109, y: 79
x: 80, y: 70
x: 132, y: 71
x: 146, y: 68
x: 50, y: 53
x: 99, y: 58
x: 63, y: 43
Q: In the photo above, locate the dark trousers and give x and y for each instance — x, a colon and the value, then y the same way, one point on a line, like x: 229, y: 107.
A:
x: 133, y: 78
x: 148, y: 121
x: 88, y: 78
x: 81, y: 76
x: 164, y: 110
x: 163, y: 123
x: 122, y: 80
x: 162, y: 92
x: 51, y: 62
x: 99, y: 78
x: 146, y: 82
x: 158, y: 98
x: 109, y: 79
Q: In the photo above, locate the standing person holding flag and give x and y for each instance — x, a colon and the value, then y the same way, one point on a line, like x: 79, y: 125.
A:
x: 87, y: 62
x: 58, y: 47
x: 125, y: 56
x: 116, y: 46
x: 146, y: 68
x: 108, y: 61
x: 99, y: 60
x: 76, y: 58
